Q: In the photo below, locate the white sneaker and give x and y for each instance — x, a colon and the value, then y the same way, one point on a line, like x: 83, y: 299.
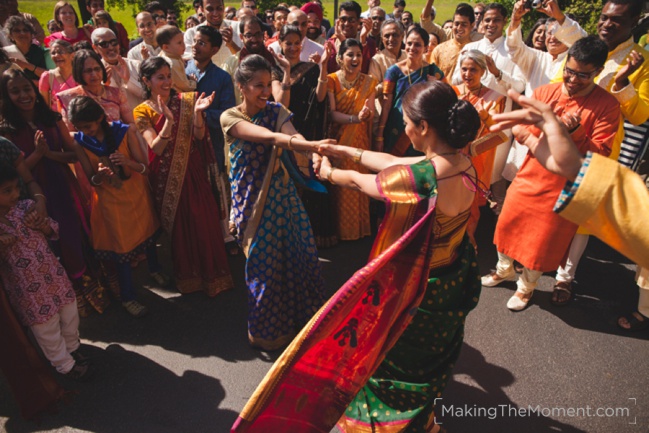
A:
x: 493, y: 279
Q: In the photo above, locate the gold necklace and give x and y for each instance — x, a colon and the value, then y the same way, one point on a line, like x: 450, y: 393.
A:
x: 346, y: 84
x: 243, y: 112
x: 409, y: 72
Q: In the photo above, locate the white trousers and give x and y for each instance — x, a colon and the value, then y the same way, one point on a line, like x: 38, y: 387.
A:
x: 59, y: 336
x: 578, y: 245
x: 642, y: 278
x: 528, y: 279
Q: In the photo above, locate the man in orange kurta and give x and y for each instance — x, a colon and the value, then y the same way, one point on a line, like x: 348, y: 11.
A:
x: 528, y: 230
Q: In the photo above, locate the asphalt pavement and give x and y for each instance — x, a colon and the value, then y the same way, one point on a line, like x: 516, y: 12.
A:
x: 187, y: 366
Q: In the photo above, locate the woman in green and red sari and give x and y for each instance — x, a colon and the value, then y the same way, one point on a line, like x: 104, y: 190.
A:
x: 183, y: 179
x: 381, y: 350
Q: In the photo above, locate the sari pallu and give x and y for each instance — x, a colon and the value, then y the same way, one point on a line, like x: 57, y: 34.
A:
x: 311, y: 385
x: 285, y: 286
x: 396, y: 83
x: 182, y: 185
x: 351, y: 207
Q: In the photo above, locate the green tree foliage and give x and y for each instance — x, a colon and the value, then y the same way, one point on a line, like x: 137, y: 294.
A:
x: 138, y: 5
x: 586, y: 11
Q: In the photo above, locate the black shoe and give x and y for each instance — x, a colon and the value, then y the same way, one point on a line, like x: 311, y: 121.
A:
x: 80, y: 372
x: 79, y: 357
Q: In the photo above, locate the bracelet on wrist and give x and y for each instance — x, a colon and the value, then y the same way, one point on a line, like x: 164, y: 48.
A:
x: 329, y: 176
x: 143, y: 168
x: 290, y: 145
x: 40, y: 195
x: 351, y: 119
x: 94, y: 182
x: 325, y: 81
x: 358, y: 155
x: 164, y: 137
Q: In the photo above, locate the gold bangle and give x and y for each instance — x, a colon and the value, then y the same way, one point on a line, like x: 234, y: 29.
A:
x: 358, y: 155
x: 164, y: 137
x: 290, y: 146
x: 329, y: 176
x: 40, y: 195
x: 322, y: 81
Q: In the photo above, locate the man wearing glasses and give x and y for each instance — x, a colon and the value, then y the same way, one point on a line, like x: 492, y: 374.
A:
x: 149, y: 46
x: 478, y: 11
x: 94, y: 6
x: 253, y: 43
x: 350, y: 25
x: 528, y: 230
x: 158, y: 13
x: 122, y: 73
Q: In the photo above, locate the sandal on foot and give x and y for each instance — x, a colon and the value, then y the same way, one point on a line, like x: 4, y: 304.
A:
x: 135, y: 309
x: 560, y: 288
x: 161, y: 279
x: 232, y: 248
x: 635, y: 324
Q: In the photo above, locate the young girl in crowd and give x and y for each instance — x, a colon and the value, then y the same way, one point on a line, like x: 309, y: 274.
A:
x: 123, y: 222
x: 37, y: 285
x: 41, y: 135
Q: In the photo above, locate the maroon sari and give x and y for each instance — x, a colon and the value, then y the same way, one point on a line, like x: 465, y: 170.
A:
x: 183, y: 184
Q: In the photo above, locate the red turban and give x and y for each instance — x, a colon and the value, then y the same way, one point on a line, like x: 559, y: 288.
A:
x: 310, y: 7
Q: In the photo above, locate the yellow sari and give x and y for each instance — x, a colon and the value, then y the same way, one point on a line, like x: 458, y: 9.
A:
x: 351, y: 207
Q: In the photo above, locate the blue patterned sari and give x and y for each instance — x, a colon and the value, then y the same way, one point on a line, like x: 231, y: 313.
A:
x: 285, y: 286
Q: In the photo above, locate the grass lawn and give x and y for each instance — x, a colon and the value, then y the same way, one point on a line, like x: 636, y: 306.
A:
x: 43, y: 10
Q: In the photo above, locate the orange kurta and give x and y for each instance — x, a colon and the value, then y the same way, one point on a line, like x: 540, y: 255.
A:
x: 352, y: 207
x: 528, y: 230
x: 122, y: 218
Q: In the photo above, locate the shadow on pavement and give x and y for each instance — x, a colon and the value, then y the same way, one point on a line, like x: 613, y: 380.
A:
x: 131, y: 393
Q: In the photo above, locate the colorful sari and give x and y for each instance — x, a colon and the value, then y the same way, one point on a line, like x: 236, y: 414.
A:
x: 183, y: 182
x: 381, y: 350
x: 285, y: 286
x: 396, y: 83
x: 69, y: 206
x: 309, y: 118
x: 351, y: 207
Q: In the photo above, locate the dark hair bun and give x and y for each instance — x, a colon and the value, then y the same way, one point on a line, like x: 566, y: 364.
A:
x: 463, y: 124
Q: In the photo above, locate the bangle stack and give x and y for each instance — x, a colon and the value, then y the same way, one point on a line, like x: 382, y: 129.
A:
x: 329, y: 176
x: 358, y: 155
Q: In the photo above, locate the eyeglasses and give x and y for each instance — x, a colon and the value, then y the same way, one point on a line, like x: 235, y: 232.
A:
x: 159, y: 17
x: 378, y: 18
x: 106, y: 44
x: 579, y: 75
x: 96, y: 69
x: 478, y: 14
x: 252, y: 35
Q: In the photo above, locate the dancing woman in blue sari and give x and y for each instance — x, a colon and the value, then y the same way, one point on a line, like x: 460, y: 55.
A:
x: 282, y: 269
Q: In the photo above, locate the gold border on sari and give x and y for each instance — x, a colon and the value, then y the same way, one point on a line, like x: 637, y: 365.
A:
x: 179, y: 161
